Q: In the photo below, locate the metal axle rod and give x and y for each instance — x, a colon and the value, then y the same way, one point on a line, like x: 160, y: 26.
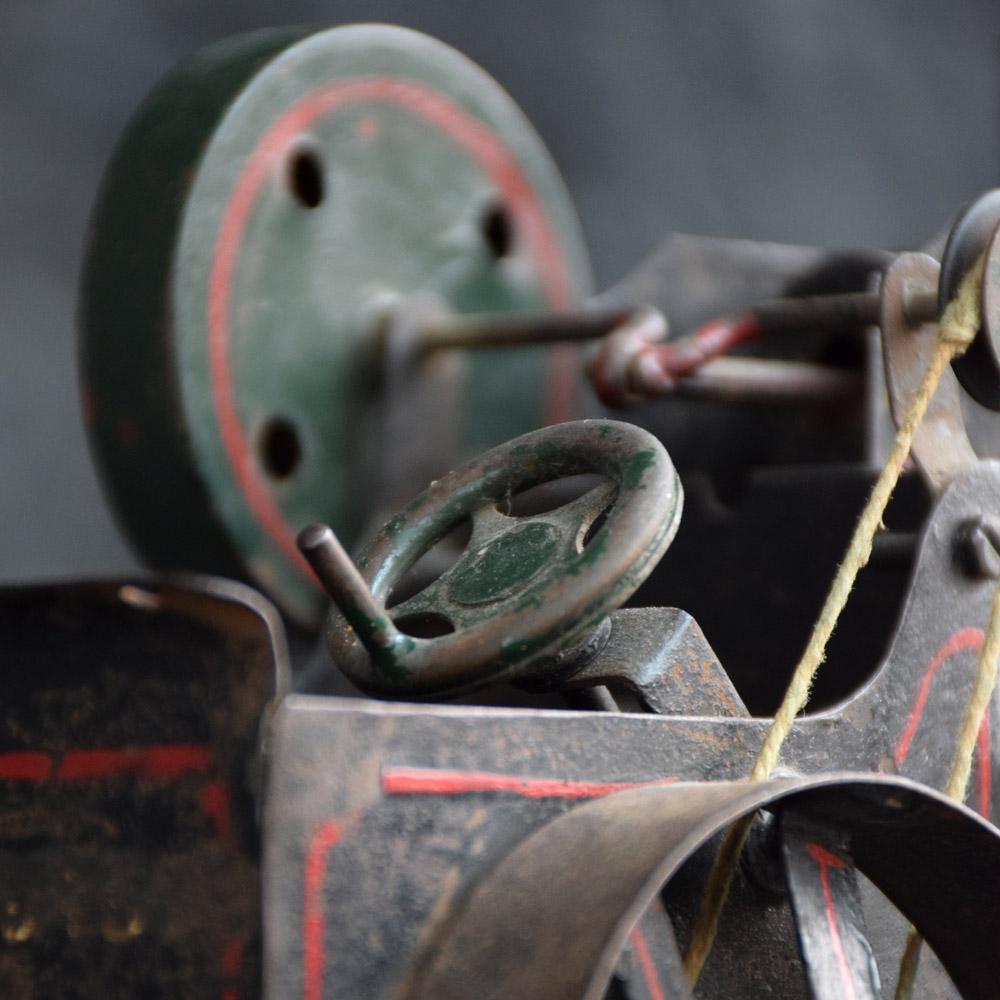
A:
x: 816, y: 313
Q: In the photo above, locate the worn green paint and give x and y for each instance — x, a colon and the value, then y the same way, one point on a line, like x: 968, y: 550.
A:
x: 506, y: 565
x: 529, y: 602
x: 636, y: 468
x: 529, y: 609
x: 400, y: 215
x: 389, y: 657
x: 395, y: 524
x: 516, y: 651
x: 390, y: 660
x: 126, y: 342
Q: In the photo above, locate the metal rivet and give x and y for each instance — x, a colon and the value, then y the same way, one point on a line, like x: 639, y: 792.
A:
x: 978, y: 546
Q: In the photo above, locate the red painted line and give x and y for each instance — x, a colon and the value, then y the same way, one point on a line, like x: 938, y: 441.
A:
x: 25, y: 766
x: 172, y: 760
x: 232, y: 955
x: 687, y: 354
x: 213, y: 799
x: 232, y: 964
x: 961, y: 640
x: 323, y: 841
x: 419, y: 781
x: 163, y: 762
x: 827, y: 860
x: 478, y: 141
x: 965, y: 638
x: 823, y: 857
x: 166, y: 762
x: 649, y: 972
x: 101, y: 763
x: 723, y: 336
x: 430, y: 781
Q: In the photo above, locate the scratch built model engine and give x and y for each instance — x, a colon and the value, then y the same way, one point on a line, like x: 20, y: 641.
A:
x: 328, y: 269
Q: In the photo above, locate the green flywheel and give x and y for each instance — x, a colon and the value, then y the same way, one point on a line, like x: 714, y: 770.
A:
x: 267, y: 201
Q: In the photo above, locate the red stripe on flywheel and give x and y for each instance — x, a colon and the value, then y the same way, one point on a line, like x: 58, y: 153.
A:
x: 472, y: 136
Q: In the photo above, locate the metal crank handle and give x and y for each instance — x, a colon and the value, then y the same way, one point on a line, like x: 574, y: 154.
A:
x: 340, y: 578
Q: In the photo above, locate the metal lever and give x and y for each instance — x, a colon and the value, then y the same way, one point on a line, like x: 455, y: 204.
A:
x: 345, y: 585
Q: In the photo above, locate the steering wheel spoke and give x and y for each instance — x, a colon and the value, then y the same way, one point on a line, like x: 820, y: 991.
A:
x: 487, y: 524
x: 427, y: 601
x: 574, y: 519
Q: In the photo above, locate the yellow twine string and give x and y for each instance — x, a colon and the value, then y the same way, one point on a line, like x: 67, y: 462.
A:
x: 961, y: 767
x: 956, y: 331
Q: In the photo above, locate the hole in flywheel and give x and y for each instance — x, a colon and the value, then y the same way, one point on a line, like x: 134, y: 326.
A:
x: 424, y: 626
x: 498, y: 230
x: 280, y: 448
x: 305, y: 176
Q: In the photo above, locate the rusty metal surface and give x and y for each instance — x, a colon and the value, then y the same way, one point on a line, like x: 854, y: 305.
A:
x: 550, y: 919
x: 661, y: 656
x: 408, y: 806
x: 941, y: 447
x: 128, y: 736
x: 527, y: 588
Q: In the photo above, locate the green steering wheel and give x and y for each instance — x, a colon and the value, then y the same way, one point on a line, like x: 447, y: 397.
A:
x: 525, y: 589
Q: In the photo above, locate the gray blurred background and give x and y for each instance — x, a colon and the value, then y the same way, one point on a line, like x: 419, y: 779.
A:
x: 798, y: 120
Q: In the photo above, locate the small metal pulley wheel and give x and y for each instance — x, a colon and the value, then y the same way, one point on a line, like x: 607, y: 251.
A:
x: 525, y: 589
x: 976, y: 230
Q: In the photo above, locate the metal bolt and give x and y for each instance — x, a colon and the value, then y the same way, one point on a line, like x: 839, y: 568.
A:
x: 920, y: 305
x: 978, y: 546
